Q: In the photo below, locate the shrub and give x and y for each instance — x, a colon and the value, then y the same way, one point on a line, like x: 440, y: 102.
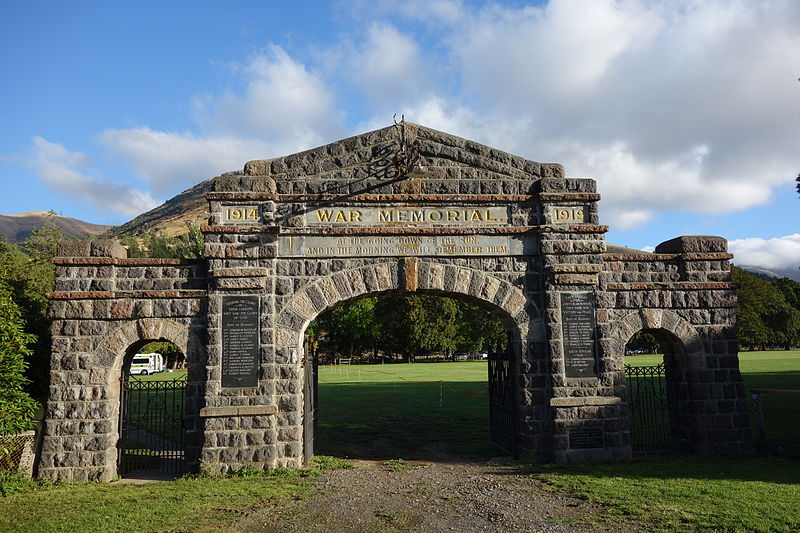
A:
x: 17, y: 408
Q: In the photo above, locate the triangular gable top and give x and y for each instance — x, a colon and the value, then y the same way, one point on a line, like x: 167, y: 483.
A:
x: 405, y: 150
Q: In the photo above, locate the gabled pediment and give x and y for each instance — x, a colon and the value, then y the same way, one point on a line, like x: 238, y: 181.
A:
x: 403, y: 158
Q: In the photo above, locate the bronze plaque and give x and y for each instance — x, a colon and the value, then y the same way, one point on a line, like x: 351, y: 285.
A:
x: 578, y: 332
x: 240, y: 341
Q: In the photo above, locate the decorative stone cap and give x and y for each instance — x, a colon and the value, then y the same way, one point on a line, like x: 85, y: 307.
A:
x: 693, y: 244
x: 92, y: 248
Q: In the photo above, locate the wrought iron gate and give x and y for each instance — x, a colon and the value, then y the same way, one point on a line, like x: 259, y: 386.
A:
x: 649, y: 406
x: 502, y: 419
x: 310, y: 387
x: 152, y: 426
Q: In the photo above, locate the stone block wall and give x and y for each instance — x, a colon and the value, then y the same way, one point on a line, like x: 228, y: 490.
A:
x: 104, y: 307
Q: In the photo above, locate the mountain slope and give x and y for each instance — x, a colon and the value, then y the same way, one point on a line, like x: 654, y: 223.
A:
x: 17, y: 228
x: 171, y: 217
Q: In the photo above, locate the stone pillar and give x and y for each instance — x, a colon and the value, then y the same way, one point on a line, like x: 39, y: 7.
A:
x: 82, y: 410
x: 587, y: 418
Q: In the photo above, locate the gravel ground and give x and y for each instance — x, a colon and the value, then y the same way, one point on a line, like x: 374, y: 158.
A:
x: 429, y: 497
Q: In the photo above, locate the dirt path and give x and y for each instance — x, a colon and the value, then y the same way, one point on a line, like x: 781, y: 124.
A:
x: 427, y: 497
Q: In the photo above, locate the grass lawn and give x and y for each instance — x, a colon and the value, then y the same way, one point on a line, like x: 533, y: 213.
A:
x: 202, y: 504
x: 403, y: 410
x: 688, y: 494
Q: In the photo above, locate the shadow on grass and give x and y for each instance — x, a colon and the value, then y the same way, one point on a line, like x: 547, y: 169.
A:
x: 422, y: 421
x: 666, y: 468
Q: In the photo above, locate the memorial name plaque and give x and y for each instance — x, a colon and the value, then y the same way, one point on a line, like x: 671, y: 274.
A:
x: 240, y: 341
x: 405, y: 245
x: 578, y: 333
x: 585, y: 438
x: 388, y: 216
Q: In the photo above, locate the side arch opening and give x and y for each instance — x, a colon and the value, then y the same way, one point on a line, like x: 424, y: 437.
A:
x: 152, y: 412
x: 657, y: 391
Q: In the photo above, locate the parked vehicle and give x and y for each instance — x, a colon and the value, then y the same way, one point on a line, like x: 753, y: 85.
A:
x: 481, y: 355
x: 147, y: 363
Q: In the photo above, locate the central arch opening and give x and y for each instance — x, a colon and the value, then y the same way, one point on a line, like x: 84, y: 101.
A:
x: 408, y: 376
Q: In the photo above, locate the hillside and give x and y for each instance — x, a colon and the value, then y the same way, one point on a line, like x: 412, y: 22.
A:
x: 170, y: 218
x: 17, y: 228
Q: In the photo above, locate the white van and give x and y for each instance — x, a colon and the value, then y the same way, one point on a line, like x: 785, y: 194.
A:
x: 147, y: 363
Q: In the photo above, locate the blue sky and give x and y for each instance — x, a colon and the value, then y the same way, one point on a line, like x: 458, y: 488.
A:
x: 685, y: 111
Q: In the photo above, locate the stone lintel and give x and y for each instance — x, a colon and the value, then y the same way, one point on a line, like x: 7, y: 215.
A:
x: 411, y: 230
x: 239, y: 229
x: 551, y: 197
x: 240, y: 272
x: 248, y: 410
x: 575, y: 279
x: 241, y: 283
x: 104, y: 295
x: 584, y: 268
x: 679, y: 286
x: 346, y: 199
x: 130, y: 261
x: 585, y: 401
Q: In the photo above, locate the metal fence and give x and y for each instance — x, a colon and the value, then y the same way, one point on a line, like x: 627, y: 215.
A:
x: 775, y: 416
x: 16, y: 452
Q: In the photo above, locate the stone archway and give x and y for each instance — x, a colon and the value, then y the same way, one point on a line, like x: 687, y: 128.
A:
x: 403, y: 208
x: 411, y: 275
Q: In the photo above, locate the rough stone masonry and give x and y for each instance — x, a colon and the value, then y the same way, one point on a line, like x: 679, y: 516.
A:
x: 404, y: 208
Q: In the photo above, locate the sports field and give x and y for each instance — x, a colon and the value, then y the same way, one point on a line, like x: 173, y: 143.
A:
x: 423, y: 409
x: 403, y: 410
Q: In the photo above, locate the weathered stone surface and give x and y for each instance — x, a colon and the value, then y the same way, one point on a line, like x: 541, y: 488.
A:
x: 692, y: 244
x: 105, y: 304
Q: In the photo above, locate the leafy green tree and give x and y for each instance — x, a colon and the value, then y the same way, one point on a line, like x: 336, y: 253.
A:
x: 17, y: 407
x: 29, y: 274
x: 642, y: 340
x: 764, y: 317
x: 155, y: 244
x: 173, y: 356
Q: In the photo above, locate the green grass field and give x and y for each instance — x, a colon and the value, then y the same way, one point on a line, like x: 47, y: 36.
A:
x: 403, y: 410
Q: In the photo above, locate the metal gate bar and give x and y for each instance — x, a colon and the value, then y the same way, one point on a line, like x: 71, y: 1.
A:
x: 501, y: 400
x: 649, y: 408
x: 152, y: 426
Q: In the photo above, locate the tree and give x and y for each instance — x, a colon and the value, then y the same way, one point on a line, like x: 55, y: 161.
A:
x: 155, y: 244
x: 765, y: 317
x: 17, y: 407
x: 173, y: 356
x: 29, y: 274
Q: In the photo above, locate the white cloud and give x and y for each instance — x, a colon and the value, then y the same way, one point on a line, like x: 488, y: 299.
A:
x: 388, y: 68
x: 779, y: 253
x: 283, y: 108
x: 64, y: 171
x: 170, y: 161
x: 675, y: 105
x: 282, y: 102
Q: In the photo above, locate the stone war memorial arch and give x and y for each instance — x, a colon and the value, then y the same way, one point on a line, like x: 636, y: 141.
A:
x: 404, y: 208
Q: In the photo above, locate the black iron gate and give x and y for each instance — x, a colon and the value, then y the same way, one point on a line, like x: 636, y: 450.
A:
x: 502, y: 419
x: 310, y: 387
x: 152, y: 428
x: 649, y: 406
